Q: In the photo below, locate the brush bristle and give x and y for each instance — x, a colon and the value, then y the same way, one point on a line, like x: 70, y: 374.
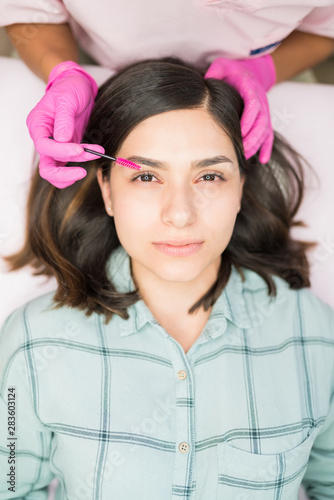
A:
x: 127, y: 163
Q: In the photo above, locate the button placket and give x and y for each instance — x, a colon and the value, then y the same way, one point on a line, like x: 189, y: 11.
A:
x: 185, y: 423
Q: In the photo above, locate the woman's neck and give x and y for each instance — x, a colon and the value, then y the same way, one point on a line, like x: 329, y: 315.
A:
x: 172, y: 299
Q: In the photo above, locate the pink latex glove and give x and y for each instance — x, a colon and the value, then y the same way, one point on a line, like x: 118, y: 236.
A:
x: 252, y: 78
x: 63, y: 113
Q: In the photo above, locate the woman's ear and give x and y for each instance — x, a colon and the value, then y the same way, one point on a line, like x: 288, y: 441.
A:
x: 105, y: 191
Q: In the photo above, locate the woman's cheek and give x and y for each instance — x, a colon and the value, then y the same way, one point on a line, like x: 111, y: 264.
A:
x: 135, y: 203
x: 207, y: 194
x: 215, y: 196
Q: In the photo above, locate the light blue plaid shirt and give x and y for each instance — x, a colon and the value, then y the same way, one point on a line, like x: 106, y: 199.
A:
x: 121, y: 412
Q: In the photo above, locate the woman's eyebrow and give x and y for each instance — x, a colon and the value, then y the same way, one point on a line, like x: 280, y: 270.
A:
x: 206, y: 162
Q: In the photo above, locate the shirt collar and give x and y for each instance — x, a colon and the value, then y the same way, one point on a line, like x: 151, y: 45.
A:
x: 230, y: 304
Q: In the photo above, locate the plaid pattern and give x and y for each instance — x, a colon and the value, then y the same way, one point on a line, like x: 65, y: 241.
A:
x: 121, y: 412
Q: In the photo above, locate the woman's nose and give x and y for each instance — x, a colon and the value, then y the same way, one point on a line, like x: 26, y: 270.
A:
x: 179, y: 206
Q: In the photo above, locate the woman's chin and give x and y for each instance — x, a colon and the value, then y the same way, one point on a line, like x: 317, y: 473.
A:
x: 178, y: 272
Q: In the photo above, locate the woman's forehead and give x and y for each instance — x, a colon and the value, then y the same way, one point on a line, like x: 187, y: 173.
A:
x: 186, y: 128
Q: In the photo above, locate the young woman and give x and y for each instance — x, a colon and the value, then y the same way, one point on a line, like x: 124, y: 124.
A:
x: 182, y: 355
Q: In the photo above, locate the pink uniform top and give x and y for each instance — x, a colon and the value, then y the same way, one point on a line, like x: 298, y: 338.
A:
x: 120, y: 32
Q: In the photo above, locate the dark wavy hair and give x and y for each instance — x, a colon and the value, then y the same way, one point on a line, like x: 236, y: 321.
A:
x: 70, y: 235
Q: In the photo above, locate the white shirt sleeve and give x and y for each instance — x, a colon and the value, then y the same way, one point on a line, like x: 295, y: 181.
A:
x: 319, y: 22
x: 34, y: 11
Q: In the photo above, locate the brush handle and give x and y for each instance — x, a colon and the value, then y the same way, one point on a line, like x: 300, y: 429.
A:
x: 92, y: 152
x: 120, y: 161
x: 99, y: 154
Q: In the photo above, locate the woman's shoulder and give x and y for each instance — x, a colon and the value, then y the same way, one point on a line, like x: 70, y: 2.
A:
x: 38, y: 320
x: 298, y: 304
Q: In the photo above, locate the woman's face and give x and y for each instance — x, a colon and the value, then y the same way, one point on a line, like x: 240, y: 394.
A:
x: 188, y: 188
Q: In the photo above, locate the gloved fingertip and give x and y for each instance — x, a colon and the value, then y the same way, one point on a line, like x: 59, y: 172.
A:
x: 82, y: 174
x: 265, y: 152
x: 264, y: 158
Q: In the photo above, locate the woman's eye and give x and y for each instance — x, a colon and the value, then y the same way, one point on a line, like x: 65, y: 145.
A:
x: 209, y: 177
x: 144, y: 177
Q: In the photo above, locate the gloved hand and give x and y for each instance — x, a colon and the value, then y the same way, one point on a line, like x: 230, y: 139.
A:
x: 63, y: 113
x: 252, y: 78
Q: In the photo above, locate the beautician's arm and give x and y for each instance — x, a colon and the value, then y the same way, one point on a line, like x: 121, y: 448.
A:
x: 51, y: 52
x: 43, y: 46
x: 48, y: 45
x: 300, y: 51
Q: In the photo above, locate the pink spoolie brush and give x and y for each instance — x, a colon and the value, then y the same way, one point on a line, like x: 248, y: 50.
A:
x: 120, y: 161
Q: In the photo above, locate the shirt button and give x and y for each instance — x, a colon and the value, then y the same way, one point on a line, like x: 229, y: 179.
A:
x: 182, y: 374
x: 183, y: 447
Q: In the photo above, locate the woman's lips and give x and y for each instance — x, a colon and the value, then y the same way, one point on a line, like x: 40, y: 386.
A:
x: 179, y: 250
